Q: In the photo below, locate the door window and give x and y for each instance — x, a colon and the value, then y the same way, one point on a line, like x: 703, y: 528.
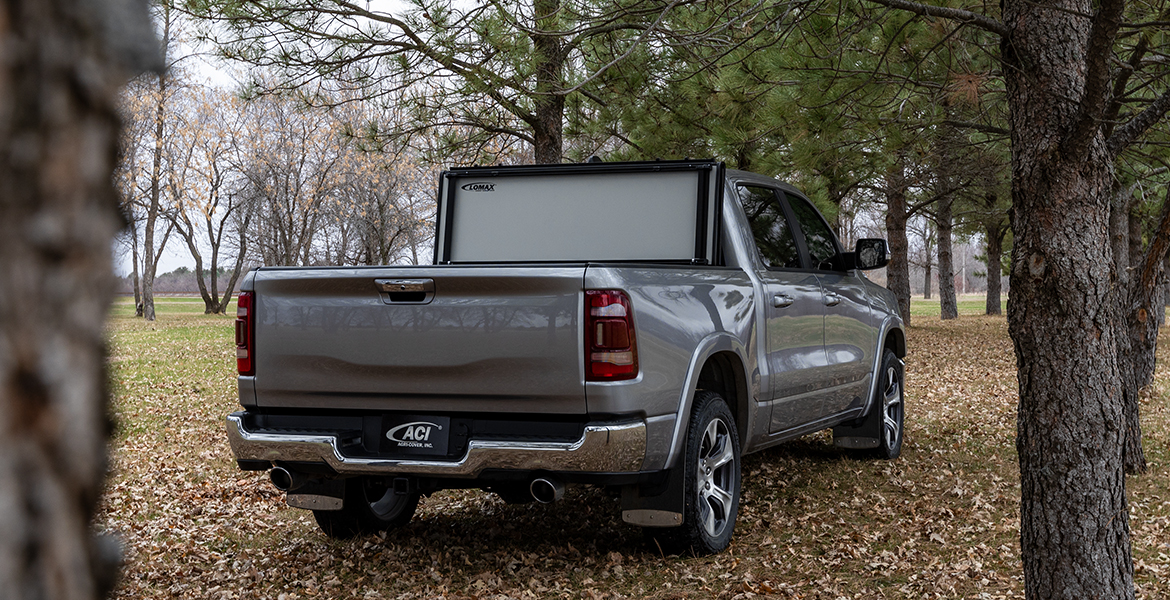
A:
x: 770, y: 228
x: 821, y: 243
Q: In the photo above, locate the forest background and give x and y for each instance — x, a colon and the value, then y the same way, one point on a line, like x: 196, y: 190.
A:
x: 319, y: 163
x: 1046, y: 115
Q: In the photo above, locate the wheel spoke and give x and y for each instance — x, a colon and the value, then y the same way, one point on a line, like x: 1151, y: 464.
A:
x: 893, y: 396
x: 716, y: 509
x: 723, y: 454
x: 710, y: 439
x: 891, y: 431
x: 707, y: 516
x: 723, y: 497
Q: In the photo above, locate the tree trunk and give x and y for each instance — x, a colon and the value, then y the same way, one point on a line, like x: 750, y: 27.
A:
x: 1074, y: 527
x: 134, y: 256
x: 150, y: 266
x: 898, y: 271
x: 994, y: 235
x: 1141, y: 300
x: 548, y: 119
x: 58, y: 216
x: 927, y: 274
x: 946, y: 262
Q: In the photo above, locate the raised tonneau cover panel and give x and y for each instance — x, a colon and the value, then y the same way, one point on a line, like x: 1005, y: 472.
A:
x: 581, y: 212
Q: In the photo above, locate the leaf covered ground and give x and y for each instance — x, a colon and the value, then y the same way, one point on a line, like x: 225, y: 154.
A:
x: 815, y: 521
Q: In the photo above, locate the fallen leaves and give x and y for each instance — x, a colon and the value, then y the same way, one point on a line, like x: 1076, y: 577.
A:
x: 815, y: 521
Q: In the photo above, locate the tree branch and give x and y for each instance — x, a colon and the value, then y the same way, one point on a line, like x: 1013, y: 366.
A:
x: 1095, y: 98
x: 963, y: 16
x: 1122, y: 81
x: 1135, y: 127
x: 1152, y: 262
x: 978, y: 127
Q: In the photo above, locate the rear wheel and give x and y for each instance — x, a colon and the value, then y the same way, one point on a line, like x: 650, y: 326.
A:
x: 711, y: 481
x: 371, y: 505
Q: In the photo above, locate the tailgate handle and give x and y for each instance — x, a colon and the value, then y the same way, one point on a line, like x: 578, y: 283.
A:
x: 406, y: 291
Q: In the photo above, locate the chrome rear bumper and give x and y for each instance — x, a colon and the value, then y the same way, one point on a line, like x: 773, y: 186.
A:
x: 603, y: 448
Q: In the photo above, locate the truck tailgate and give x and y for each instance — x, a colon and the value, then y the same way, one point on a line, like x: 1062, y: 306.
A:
x: 500, y: 338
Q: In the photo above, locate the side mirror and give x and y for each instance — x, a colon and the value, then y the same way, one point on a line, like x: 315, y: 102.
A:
x: 870, y: 253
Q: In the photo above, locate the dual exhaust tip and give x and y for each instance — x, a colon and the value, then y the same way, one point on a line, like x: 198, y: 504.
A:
x: 546, y: 491
x: 543, y: 490
x: 285, y: 480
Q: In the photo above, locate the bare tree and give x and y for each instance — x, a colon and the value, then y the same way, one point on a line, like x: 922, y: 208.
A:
x: 291, y: 159
x: 153, y: 198
x: 206, y: 208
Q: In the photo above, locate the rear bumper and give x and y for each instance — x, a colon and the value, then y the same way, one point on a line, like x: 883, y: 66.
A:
x: 602, y: 448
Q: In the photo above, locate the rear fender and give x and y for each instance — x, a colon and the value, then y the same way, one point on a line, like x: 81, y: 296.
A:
x: 662, y: 503
x: 741, y: 405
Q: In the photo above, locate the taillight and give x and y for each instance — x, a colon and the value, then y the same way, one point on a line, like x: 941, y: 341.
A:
x: 245, y: 334
x: 611, y: 353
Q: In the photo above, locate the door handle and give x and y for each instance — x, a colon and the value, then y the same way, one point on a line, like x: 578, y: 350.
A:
x: 782, y: 300
x: 832, y: 299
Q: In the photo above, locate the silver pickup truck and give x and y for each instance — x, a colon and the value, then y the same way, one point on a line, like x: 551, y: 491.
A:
x: 639, y: 326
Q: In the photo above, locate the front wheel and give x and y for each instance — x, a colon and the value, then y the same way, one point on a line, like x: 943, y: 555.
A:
x: 891, y: 405
x: 711, y: 481
x: 371, y: 505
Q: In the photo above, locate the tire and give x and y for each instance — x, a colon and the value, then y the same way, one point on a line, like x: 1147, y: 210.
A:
x: 711, y: 481
x: 890, y: 402
x: 370, y: 506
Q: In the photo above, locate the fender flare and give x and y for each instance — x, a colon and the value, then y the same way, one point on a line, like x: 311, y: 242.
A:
x: 890, y: 325
x: 709, y: 346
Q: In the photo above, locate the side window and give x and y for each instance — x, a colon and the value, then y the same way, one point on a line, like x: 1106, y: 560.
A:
x: 822, y: 245
x: 770, y: 228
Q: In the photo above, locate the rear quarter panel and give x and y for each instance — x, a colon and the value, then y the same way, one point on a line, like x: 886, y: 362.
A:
x: 682, y: 315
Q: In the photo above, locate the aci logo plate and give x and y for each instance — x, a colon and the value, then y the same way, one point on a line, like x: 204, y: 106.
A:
x: 414, y: 434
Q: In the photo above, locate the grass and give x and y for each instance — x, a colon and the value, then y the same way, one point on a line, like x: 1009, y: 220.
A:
x: 968, y: 305
x: 815, y: 521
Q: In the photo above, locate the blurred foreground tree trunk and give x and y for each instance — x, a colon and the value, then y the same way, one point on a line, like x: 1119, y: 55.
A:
x: 58, y: 215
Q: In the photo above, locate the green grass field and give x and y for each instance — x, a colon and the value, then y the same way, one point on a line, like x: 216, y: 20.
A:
x: 815, y: 521
x: 969, y: 305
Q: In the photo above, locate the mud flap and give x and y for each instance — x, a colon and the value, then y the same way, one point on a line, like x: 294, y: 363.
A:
x: 861, y: 434
x: 328, y: 494
x: 655, y: 504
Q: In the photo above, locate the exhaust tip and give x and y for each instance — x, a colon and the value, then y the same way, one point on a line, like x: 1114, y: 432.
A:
x: 547, y: 491
x: 285, y: 480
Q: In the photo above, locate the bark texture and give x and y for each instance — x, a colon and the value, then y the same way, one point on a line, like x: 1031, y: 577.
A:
x: 994, y: 275
x: 1141, y: 284
x: 945, y: 221
x: 898, y: 271
x: 994, y: 228
x: 58, y: 215
x: 548, y: 118
x: 1074, y: 530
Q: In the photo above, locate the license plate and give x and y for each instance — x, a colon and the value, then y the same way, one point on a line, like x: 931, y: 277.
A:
x: 415, y: 434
